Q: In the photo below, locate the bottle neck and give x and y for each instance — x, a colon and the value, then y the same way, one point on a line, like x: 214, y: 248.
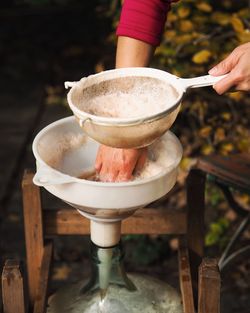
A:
x: 108, y: 268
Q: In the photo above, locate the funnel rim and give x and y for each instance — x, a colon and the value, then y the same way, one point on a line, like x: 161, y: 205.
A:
x: 100, y: 184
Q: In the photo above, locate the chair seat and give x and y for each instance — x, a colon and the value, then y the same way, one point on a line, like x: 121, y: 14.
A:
x: 233, y: 170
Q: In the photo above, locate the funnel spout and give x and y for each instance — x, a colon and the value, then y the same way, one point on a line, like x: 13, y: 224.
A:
x: 105, y: 234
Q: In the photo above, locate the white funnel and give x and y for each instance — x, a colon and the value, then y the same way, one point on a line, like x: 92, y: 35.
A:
x: 63, y: 152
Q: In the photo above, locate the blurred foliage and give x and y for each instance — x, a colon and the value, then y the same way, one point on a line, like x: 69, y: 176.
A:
x: 149, y: 249
x: 214, y: 194
x: 217, y: 233
x: 199, y: 34
x: 217, y: 230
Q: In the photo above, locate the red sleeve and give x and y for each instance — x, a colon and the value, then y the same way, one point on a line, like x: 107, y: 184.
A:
x: 143, y: 20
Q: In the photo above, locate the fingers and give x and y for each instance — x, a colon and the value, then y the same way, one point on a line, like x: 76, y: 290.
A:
x: 114, y: 164
x: 239, y: 77
x: 124, y: 176
x: 237, y: 65
x: 245, y: 86
x: 108, y: 174
x: 223, y: 67
x: 225, y: 84
x: 112, y: 173
x: 109, y: 169
x: 226, y: 65
x: 130, y: 157
x: 118, y: 164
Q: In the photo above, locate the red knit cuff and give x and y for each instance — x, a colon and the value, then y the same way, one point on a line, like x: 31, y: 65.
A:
x: 143, y: 20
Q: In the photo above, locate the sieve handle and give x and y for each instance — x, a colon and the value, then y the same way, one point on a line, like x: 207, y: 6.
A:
x: 201, y: 81
x: 47, y: 176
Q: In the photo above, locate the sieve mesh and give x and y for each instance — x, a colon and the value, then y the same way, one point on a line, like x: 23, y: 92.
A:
x: 125, y: 97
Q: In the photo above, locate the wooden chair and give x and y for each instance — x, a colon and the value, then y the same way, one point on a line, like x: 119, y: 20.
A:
x: 228, y: 173
x: 199, y: 281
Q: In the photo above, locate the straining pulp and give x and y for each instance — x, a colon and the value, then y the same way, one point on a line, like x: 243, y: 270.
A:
x: 127, y: 98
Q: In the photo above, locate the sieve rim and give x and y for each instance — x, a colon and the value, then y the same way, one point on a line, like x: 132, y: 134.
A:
x: 125, y: 72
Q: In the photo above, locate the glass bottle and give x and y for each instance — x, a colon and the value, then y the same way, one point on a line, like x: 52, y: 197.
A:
x: 111, y: 290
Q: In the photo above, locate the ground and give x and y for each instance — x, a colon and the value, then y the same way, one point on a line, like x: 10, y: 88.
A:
x: 40, y: 49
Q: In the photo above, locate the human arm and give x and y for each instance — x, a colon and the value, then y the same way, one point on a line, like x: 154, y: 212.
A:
x: 237, y: 65
x: 118, y: 164
x: 139, y: 31
x: 132, y: 52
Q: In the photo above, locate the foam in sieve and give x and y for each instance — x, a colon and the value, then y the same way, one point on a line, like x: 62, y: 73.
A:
x: 129, y: 97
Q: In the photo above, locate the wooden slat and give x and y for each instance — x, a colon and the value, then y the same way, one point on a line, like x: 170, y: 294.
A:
x: 144, y: 221
x: 41, y: 294
x: 185, y: 278
x: 196, y: 224
x: 155, y: 221
x: 33, y: 232
x: 13, y: 288
x: 235, y: 169
x: 209, y: 287
x: 245, y: 157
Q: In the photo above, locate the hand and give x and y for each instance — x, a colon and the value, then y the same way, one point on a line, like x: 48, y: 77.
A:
x: 238, y: 66
x: 116, y: 165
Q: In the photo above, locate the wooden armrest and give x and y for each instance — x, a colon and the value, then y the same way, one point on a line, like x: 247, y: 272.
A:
x: 233, y: 169
x: 13, y: 288
x: 209, y: 287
